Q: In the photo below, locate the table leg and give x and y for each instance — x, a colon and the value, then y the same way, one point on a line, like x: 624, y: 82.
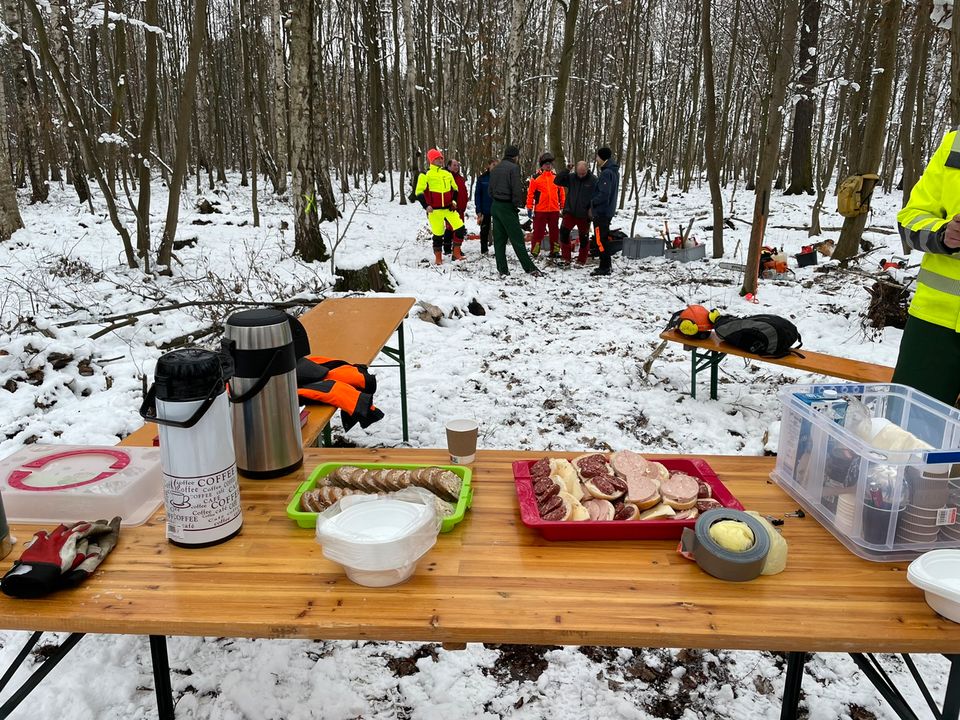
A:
x: 791, y: 685
x: 951, y: 701
x: 402, y: 359
x: 161, y: 677
x: 327, y: 436
x: 693, y: 373
x: 715, y: 359
x: 881, y: 681
x: 21, y: 656
x: 39, y: 674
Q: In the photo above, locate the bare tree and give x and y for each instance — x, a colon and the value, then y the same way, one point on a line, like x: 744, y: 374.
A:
x: 10, y: 220
x: 875, y: 128
x: 710, y: 127
x: 769, y: 155
x: 184, y: 115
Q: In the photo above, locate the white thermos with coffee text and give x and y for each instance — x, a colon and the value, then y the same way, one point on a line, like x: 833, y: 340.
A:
x: 189, y: 403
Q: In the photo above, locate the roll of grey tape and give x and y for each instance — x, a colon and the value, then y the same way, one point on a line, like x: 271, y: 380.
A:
x: 720, y: 562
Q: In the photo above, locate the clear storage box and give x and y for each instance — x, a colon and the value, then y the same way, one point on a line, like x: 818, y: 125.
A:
x: 886, y: 494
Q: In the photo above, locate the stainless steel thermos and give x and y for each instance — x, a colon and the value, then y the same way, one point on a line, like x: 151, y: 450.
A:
x: 265, y: 345
x: 188, y: 401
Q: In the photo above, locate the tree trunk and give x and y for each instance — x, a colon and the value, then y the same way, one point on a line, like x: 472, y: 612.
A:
x: 246, y: 40
x: 710, y: 127
x: 801, y: 163
x: 374, y: 87
x: 10, y: 220
x: 184, y: 115
x: 281, y: 155
x: 910, y: 154
x: 308, y: 241
x: 563, y: 81
x: 85, y: 134
x: 144, y: 139
x: 954, y: 67
x: 872, y: 151
x: 771, y: 143
x: 29, y: 119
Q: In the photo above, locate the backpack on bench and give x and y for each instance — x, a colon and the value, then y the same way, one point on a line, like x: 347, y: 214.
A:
x: 766, y: 335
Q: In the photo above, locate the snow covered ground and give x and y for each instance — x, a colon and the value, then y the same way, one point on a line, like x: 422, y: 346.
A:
x: 554, y: 363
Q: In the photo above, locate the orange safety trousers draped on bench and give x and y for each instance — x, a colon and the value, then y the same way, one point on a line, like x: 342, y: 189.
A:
x: 338, y: 383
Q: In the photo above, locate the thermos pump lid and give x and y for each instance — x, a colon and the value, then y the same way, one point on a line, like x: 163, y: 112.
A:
x: 188, y: 374
x: 258, y: 318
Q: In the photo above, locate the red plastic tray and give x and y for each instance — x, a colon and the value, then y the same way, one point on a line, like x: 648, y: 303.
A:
x: 616, y: 529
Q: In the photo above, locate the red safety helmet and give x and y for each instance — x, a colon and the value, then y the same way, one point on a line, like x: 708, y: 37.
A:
x: 434, y: 154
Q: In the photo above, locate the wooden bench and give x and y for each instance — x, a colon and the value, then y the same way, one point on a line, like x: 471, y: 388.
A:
x: 353, y: 329
x: 710, y: 352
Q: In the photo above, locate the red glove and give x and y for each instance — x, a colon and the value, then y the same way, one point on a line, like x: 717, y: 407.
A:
x: 60, y: 559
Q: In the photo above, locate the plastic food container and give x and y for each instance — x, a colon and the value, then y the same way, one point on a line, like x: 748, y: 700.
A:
x: 637, y: 248
x: 306, y: 519
x: 937, y: 573
x: 378, y: 541
x: 50, y: 484
x: 882, y: 505
x: 616, y: 529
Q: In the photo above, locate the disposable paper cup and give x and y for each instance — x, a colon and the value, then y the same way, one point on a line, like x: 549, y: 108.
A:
x: 462, y: 441
x: 876, y: 523
x: 905, y: 536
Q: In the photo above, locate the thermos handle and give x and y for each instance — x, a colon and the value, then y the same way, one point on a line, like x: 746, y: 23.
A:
x: 261, y: 382
x: 148, y: 410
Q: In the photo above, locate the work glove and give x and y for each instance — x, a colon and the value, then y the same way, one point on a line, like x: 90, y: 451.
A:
x: 60, y: 559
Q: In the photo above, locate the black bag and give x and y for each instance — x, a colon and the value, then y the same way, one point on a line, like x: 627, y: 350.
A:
x: 613, y: 244
x: 766, y: 335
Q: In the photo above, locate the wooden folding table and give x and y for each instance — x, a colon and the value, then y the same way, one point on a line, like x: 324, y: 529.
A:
x: 493, y: 580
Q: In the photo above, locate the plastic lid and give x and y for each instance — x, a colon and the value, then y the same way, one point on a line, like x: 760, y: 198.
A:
x: 257, y: 318
x: 188, y: 374
x: 379, y: 534
x: 379, y: 521
x: 937, y: 571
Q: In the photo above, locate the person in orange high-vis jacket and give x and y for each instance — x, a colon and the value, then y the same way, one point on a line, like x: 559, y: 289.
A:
x: 544, y: 201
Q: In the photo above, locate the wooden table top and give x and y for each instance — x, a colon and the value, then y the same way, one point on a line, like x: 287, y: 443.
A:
x: 493, y: 580
x: 351, y: 329
x: 830, y: 365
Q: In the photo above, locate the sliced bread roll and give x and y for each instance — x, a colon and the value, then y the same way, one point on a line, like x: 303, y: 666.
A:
x: 680, y: 491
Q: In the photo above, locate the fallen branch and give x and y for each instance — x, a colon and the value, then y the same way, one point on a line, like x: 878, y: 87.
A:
x: 648, y: 363
x: 193, y: 303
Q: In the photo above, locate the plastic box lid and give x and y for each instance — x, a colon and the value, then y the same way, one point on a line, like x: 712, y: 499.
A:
x: 51, y: 484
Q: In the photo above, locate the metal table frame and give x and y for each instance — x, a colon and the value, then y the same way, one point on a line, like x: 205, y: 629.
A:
x: 700, y: 361
x: 868, y: 664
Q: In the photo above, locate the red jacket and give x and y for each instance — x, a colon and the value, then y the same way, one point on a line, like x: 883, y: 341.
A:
x: 543, y: 194
x: 462, y: 196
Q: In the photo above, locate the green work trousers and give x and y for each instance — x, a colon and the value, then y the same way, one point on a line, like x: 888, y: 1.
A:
x: 929, y: 360
x: 506, y: 224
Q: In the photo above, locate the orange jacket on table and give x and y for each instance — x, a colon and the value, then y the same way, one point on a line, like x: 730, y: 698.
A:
x: 543, y: 195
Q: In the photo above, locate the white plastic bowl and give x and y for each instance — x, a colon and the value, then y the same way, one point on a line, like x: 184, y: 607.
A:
x: 937, y: 573
x: 378, y: 541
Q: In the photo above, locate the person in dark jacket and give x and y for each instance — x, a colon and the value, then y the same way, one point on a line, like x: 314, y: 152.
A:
x: 482, y: 202
x: 507, y: 195
x: 576, y: 210
x: 603, y: 205
x: 453, y: 167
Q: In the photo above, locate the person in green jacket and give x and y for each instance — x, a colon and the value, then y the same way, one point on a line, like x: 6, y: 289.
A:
x: 506, y: 192
x: 929, y: 358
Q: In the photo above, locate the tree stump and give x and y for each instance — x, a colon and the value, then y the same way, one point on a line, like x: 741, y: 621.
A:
x: 371, y: 278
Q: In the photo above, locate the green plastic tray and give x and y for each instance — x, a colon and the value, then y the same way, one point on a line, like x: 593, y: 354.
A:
x: 309, y: 519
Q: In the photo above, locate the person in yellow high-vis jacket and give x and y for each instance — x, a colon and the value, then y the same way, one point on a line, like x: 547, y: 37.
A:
x: 930, y: 349
x: 437, y: 192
